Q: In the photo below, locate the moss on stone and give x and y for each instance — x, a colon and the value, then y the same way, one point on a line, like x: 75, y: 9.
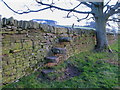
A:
x: 33, y: 48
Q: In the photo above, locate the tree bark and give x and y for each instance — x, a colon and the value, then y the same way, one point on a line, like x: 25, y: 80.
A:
x: 101, y: 36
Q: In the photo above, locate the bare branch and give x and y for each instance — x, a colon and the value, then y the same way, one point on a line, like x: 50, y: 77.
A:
x: 114, y: 19
x: 107, y: 3
x: 73, y: 9
x: 52, y: 2
x: 27, y: 7
x: 59, y: 8
x: 78, y: 19
x: 75, y: 16
x: 24, y: 12
x: 113, y: 10
x: 51, y: 9
x: 94, y: 3
x: 108, y: 7
x: 48, y: 6
x: 83, y: 18
x: 91, y: 18
x: 85, y: 3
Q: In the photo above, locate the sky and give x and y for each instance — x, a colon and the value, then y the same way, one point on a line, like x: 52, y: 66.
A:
x: 56, y: 15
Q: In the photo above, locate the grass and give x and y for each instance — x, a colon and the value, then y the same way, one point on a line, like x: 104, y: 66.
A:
x: 97, y: 71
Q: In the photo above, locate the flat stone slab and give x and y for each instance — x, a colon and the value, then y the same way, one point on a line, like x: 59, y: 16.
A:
x: 50, y: 64
x: 46, y: 71
x: 58, y: 50
x: 52, y: 59
x: 65, y: 39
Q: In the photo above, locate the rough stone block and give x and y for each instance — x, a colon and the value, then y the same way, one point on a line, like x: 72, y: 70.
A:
x: 35, y: 25
x: 15, y: 23
x: 58, y: 50
x: 52, y: 59
x: 10, y: 21
x: 25, y: 25
x: 4, y: 21
x: 50, y: 64
x: 20, y: 24
x: 9, y: 27
x: 60, y: 30
x: 65, y: 39
x: 45, y: 28
x: 47, y: 71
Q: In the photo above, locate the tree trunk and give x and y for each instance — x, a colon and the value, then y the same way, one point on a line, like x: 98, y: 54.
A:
x: 101, y: 37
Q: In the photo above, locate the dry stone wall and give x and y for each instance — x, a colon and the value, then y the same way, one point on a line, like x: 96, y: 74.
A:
x: 0, y: 55
x: 28, y: 45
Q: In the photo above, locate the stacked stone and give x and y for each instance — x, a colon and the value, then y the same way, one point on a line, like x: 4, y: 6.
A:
x: 11, y: 23
x: 0, y: 54
x: 23, y: 54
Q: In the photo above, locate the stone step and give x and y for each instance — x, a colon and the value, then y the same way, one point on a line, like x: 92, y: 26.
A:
x: 52, y: 59
x: 56, y: 50
x: 47, y: 71
x: 50, y: 64
x: 65, y: 39
x: 62, y: 44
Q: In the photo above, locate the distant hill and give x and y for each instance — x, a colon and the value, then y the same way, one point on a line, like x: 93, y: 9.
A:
x: 45, y: 21
x: 76, y: 26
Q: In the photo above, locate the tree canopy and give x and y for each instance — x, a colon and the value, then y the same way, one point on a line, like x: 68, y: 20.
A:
x: 109, y: 10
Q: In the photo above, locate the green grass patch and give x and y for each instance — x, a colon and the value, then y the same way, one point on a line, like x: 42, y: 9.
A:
x: 96, y: 69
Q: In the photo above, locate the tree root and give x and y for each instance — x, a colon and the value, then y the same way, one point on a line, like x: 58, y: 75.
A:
x: 109, y: 49
x: 105, y: 49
